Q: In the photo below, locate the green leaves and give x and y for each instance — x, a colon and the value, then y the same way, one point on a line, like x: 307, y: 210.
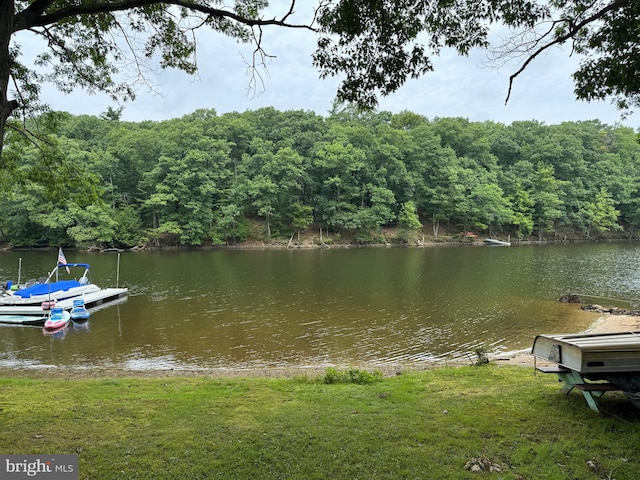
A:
x: 376, y: 46
x: 352, y: 375
x: 408, y: 217
x: 209, y: 179
x: 602, y: 213
x: 373, y: 48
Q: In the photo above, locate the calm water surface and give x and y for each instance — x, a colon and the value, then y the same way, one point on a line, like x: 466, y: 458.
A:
x: 375, y: 307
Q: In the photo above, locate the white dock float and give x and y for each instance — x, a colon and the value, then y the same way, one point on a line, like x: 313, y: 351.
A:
x: 94, y: 299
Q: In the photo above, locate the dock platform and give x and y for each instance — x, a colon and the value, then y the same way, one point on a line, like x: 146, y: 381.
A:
x: 20, y: 314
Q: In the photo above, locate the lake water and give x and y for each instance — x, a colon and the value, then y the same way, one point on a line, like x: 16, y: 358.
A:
x: 194, y: 310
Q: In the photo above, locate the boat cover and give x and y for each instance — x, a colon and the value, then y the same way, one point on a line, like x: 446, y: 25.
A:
x: 45, y: 288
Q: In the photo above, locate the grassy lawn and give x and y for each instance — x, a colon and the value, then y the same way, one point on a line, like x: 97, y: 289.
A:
x: 418, y: 425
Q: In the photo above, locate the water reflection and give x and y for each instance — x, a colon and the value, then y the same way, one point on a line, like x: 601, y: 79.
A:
x: 243, y: 309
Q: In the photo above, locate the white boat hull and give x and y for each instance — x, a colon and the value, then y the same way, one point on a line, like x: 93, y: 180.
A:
x: 591, y: 354
x: 14, y: 300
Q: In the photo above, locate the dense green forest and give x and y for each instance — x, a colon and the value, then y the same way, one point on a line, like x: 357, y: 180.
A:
x: 272, y: 176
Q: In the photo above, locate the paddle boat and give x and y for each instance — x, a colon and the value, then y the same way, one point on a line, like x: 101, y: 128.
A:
x: 48, y: 291
x: 58, y: 319
x: 78, y: 312
x: 56, y: 334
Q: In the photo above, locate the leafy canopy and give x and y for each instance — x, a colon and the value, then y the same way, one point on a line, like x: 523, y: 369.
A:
x: 377, y: 45
x: 373, y: 45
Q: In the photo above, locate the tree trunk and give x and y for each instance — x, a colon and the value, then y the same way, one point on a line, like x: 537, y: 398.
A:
x: 6, y: 29
x: 435, y: 225
x: 321, y: 240
x: 540, y: 227
x: 465, y: 227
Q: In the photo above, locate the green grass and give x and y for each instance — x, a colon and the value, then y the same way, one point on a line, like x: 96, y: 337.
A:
x: 418, y: 425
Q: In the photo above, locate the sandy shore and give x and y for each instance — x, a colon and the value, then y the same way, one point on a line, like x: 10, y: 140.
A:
x: 605, y: 324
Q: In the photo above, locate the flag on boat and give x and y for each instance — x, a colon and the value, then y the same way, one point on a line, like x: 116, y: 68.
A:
x: 62, y: 259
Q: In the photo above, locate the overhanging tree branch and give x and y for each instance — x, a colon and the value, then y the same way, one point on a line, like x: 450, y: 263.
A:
x: 35, y: 17
x: 374, y: 46
x: 571, y: 33
x: 84, y: 49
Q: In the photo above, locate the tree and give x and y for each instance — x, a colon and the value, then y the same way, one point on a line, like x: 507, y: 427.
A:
x: 522, y: 206
x: 403, y: 36
x: 435, y: 172
x: 408, y: 221
x: 273, y: 183
x: 337, y: 165
x: 112, y: 114
x: 43, y: 206
x: 374, y: 46
x: 547, y: 198
x: 90, y: 41
x: 480, y: 203
x: 201, y: 178
x: 602, y: 213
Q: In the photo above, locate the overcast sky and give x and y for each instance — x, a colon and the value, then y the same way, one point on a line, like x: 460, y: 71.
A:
x: 460, y: 87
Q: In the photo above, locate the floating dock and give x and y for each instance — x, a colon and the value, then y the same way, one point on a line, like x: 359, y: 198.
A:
x: 34, y: 315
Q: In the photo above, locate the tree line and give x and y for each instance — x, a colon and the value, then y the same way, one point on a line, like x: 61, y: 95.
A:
x: 209, y: 179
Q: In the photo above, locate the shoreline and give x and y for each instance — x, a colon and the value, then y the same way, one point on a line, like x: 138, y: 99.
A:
x: 309, y: 243
x: 607, y: 323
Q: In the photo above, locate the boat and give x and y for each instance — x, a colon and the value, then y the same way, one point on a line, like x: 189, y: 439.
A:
x: 496, y: 242
x: 35, y: 315
x: 79, y: 313
x: 56, y: 334
x: 591, y: 354
x: 49, y: 290
x: 614, y: 357
x: 58, y: 319
x: 10, y: 285
x: 29, y: 304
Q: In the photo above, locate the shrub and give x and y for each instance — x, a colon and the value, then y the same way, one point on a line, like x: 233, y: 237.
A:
x: 482, y: 357
x: 351, y: 375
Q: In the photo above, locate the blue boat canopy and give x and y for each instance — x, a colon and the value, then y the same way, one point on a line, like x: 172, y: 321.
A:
x: 45, y: 288
x: 49, y: 286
